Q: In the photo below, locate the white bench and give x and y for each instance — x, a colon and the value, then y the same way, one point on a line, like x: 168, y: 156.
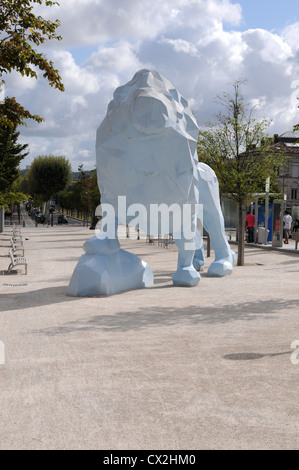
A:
x: 16, y: 262
x: 17, y: 246
x: 16, y: 242
x: 17, y: 233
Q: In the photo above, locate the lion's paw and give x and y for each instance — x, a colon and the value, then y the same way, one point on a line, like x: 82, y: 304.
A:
x: 186, y: 277
x: 220, y: 268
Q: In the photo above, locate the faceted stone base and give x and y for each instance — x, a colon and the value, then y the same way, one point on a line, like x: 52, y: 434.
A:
x: 186, y: 277
x: 109, y: 273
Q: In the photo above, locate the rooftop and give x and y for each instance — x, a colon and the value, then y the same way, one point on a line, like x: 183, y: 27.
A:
x: 289, y: 135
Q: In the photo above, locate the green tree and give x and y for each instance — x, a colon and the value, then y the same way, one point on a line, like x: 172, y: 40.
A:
x: 239, y: 151
x: 83, y: 194
x: 12, y: 197
x: 11, y: 153
x: 47, y: 176
x: 90, y: 194
x: 22, y: 31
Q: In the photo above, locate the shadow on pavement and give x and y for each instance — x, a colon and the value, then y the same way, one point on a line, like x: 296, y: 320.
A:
x: 251, y: 356
x: 35, y: 298
x: 147, y: 317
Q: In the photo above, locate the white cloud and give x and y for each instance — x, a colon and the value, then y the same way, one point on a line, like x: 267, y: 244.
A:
x: 76, y: 79
x: 118, y: 58
x: 271, y: 47
x: 291, y: 34
x: 94, y: 21
x: 180, y: 45
x: 22, y: 84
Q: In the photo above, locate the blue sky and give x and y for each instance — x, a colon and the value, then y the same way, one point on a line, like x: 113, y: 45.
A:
x: 273, y: 15
x: 201, y: 46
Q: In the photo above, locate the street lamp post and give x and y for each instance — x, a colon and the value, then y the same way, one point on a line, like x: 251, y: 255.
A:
x: 267, y: 189
x: 286, y: 175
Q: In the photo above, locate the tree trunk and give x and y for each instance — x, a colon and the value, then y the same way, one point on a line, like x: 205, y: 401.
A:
x: 241, y: 234
x: 2, y: 214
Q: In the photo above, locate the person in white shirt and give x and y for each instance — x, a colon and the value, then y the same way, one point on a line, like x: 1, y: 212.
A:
x: 287, y: 226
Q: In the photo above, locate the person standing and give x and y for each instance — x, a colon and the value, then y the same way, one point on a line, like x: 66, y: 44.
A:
x: 287, y: 226
x: 250, y: 224
x: 296, y: 226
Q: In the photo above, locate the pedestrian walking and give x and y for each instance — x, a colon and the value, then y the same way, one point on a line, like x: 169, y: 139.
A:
x: 250, y: 224
x: 287, y: 226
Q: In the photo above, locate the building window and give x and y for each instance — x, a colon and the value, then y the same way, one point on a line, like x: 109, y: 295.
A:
x: 295, y: 170
x: 294, y: 191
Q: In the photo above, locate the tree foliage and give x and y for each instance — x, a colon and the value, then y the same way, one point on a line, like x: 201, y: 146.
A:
x: 83, y: 194
x: 13, y: 195
x: 12, y: 114
x: 22, y: 31
x: 11, y: 198
x: 48, y: 175
x: 11, y: 153
x: 238, y: 149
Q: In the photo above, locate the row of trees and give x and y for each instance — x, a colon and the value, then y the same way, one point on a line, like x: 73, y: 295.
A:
x: 82, y: 195
x: 50, y: 179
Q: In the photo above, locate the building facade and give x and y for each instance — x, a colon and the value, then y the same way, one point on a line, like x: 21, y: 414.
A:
x: 288, y: 177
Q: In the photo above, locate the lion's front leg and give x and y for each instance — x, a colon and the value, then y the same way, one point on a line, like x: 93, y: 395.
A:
x: 186, y: 275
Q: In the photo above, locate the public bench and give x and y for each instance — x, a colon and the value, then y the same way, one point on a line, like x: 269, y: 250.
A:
x: 231, y: 232
x: 17, y: 246
x: 16, y: 232
x: 162, y: 240
x: 18, y: 261
x: 16, y: 241
x: 17, y: 238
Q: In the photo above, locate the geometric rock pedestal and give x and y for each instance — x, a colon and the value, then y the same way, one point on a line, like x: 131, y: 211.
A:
x: 106, y: 269
x: 186, y: 277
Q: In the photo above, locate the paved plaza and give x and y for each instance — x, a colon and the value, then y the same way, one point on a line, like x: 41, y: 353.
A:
x: 209, y: 367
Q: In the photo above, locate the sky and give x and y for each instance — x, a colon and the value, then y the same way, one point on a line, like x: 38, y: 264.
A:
x: 201, y: 46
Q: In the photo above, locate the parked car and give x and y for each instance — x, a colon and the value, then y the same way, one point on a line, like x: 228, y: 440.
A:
x: 62, y: 219
x: 40, y: 218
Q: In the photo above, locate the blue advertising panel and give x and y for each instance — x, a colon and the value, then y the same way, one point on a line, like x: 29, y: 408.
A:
x: 261, y: 220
